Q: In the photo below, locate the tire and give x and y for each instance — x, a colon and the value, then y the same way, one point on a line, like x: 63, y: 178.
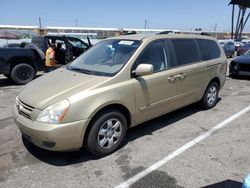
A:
x: 210, y: 96
x: 22, y: 73
x: 107, y: 133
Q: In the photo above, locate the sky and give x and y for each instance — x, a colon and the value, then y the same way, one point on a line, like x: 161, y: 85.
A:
x: 160, y: 14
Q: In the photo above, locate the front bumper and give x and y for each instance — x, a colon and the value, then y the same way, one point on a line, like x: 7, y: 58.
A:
x: 62, y: 137
x: 5, y: 69
x: 239, y: 69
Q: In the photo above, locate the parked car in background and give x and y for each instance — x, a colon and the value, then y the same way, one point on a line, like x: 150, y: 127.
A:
x: 71, y: 47
x: 117, y: 84
x: 231, y: 44
x: 21, y: 64
x: 229, y: 50
x: 242, y: 49
x: 10, y: 45
x: 240, y: 65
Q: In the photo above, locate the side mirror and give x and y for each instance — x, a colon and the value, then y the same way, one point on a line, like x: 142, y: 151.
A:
x: 143, y: 70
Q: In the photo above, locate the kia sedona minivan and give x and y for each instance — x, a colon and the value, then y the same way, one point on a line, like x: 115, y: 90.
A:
x: 117, y: 84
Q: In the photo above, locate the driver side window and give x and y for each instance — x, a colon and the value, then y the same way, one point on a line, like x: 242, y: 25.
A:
x: 155, y: 54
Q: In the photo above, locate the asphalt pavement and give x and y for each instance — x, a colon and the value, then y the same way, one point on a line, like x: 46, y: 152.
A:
x: 221, y: 159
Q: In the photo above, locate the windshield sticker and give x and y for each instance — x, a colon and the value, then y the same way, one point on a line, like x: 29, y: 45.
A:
x: 126, y: 42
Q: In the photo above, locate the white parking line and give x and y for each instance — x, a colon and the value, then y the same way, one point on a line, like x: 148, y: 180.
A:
x: 182, y: 149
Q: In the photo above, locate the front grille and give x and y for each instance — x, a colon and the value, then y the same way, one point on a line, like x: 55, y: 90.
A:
x: 26, y: 106
x: 24, y: 109
x: 25, y: 115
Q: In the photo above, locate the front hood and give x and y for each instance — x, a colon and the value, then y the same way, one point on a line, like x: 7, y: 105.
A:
x: 243, y: 59
x: 57, y: 85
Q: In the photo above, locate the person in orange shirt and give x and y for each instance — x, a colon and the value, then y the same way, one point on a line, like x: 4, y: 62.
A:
x: 50, y: 61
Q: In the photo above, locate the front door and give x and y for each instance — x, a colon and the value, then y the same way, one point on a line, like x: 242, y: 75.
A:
x: 155, y: 93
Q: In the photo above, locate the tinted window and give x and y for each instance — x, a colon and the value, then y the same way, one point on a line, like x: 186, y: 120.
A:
x: 154, y: 54
x: 186, y: 51
x: 209, y: 49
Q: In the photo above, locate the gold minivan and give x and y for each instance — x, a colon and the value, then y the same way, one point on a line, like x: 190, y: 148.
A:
x: 117, y: 84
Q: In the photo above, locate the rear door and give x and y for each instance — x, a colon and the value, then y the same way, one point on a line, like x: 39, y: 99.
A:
x: 190, y: 71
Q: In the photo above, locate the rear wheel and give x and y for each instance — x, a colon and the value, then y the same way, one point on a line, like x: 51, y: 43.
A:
x: 210, y: 97
x: 107, y: 133
x: 22, y: 73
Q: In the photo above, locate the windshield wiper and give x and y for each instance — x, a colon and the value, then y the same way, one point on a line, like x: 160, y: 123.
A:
x: 81, y: 70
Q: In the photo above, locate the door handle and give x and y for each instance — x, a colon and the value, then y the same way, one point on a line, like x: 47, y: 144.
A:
x: 182, y: 75
x: 171, y: 78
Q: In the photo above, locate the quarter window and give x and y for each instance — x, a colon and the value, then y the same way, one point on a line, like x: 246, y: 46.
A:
x: 209, y: 49
x: 185, y: 50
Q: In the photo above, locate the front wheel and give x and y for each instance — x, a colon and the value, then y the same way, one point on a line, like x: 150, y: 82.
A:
x: 210, y: 96
x: 22, y: 73
x: 107, y: 133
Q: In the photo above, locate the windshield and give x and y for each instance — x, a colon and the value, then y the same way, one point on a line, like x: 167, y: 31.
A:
x: 105, y: 58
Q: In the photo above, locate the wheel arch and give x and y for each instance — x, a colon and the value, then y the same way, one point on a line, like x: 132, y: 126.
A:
x: 17, y: 60
x: 116, y: 106
x: 217, y: 80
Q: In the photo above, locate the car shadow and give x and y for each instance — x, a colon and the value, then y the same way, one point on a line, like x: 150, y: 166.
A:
x: 147, y: 128
x: 240, y: 77
x: 58, y: 158
x: 6, y: 82
x: 225, y: 184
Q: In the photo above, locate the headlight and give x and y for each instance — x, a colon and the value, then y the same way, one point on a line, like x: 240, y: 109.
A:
x: 54, y: 113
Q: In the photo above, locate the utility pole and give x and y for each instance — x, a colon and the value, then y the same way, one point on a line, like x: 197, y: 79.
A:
x: 76, y: 22
x: 215, y: 27
x: 145, y: 24
x: 40, y: 23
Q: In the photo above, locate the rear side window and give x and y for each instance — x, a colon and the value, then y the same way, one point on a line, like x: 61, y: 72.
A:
x: 186, y: 51
x: 209, y: 49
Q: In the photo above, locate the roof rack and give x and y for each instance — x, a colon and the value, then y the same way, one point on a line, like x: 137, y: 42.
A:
x: 164, y: 32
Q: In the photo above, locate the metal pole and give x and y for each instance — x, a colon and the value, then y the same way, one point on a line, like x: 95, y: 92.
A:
x: 76, y: 22
x: 237, y: 25
x: 232, y: 29
x: 145, y: 24
x: 246, y: 20
x: 242, y: 21
x: 40, y: 23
